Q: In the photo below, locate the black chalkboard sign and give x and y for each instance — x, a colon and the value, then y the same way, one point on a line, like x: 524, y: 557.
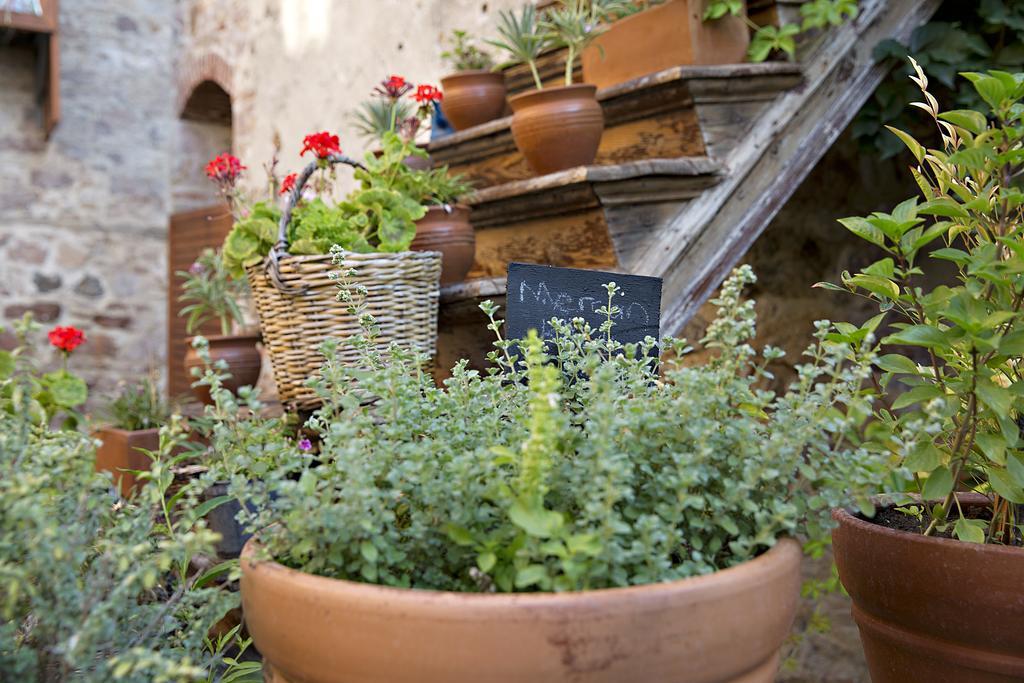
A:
x: 536, y: 294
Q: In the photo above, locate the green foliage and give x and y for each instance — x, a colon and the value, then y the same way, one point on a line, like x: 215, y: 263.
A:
x: 44, y: 397
x: 377, y: 115
x: 577, y: 468
x: 521, y: 36
x: 574, y: 24
x: 465, y: 55
x: 963, y: 36
x: 92, y: 588
x: 816, y: 14
x: 139, y: 406
x: 379, y: 215
x: 955, y: 419
x: 212, y: 290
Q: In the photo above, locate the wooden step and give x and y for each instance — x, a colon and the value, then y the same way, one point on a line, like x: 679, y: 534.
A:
x: 678, y: 112
x: 586, y: 217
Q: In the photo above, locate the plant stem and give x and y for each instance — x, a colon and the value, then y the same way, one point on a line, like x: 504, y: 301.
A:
x: 570, y: 58
x: 536, y: 74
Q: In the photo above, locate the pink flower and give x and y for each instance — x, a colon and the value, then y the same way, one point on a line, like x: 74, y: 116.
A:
x: 305, y: 445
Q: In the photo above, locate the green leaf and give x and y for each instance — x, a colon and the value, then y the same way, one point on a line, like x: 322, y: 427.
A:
x: 535, y: 521
x: 486, y: 561
x: 368, y: 551
x: 916, y: 395
x: 924, y: 458
x: 214, y: 572
x: 913, y: 145
x: 918, y: 335
x: 208, y: 506
x: 863, y: 229
x: 973, y: 121
x: 534, y: 574
x: 6, y: 364
x: 969, y: 530
x: 995, y: 397
x: 894, y: 362
x: 943, y: 206
x: 66, y: 390
x: 1001, y: 482
x: 990, y: 88
x: 993, y: 446
x: 938, y: 484
x: 1015, y: 468
x: 459, y: 534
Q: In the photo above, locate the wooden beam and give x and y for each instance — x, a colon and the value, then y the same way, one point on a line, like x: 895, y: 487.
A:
x: 22, y: 21
x: 695, y: 251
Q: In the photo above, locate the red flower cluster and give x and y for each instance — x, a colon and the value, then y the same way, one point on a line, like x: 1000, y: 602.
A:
x: 67, y: 339
x: 428, y: 93
x: 321, y: 144
x: 224, y: 168
x: 288, y: 183
x: 394, y: 87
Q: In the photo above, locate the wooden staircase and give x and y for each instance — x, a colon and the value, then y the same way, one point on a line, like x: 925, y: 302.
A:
x: 694, y: 164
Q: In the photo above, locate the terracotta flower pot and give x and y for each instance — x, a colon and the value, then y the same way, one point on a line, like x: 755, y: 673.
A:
x: 557, y: 128
x: 241, y: 355
x: 725, y: 627
x: 473, y: 97
x: 119, y: 451
x: 450, y: 233
x: 933, y: 609
x: 668, y: 35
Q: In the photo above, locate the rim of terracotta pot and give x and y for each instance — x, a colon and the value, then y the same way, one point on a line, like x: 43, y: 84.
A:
x: 212, y: 338
x: 110, y: 428
x: 455, y: 208
x: 496, y: 75
x: 552, y: 92
x: 784, y: 550
x: 844, y: 516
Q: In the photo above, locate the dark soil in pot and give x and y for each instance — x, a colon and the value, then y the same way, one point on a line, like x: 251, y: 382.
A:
x: 892, y: 518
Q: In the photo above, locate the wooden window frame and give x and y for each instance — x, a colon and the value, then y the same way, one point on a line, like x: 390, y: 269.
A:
x: 47, y: 26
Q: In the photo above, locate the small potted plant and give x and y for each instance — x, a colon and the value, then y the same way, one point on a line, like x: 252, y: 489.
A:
x: 555, y: 128
x: 935, y: 575
x: 474, y: 92
x: 647, y: 37
x: 573, y: 514
x: 133, y: 419
x: 212, y: 293
x: 446, y: 226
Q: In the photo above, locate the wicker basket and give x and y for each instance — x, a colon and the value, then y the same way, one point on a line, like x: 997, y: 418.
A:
x: 299, y: 308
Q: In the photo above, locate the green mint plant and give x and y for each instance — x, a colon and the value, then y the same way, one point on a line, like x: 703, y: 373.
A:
x: 464, y: 54
x: 569, y: 465
x: 816, y: 14
x: 211, y: 292
x: 951, y: 411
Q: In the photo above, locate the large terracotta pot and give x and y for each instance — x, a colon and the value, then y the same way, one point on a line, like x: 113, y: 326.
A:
x: 119, y: 451
x: 557, y: 128
x: 473, y: 97
x: 241, y: 355
x: 933, y: 609
x: 448, y: 230
x: 668, y: 35
x: 725, y: 627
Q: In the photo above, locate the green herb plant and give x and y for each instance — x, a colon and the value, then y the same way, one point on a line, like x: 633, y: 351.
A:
x: 376, y: 116
x: 211, y: 291
x: 576, y: 467
x: 955, y: 422
x: 139, y: 406
x: 464, y: 54
x: 97, y: 589
x: 816, y: 14
x: 520, y: 35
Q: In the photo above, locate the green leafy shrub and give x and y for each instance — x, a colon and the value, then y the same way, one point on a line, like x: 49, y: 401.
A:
x: 139, y: 406
x: 94, y: 588
x: 464, y: 54
x: 815, y: 14
x: 954, y: 422
x: 580, y: 469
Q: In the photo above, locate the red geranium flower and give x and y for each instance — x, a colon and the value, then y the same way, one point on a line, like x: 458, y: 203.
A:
x: 67, y: 339
x: 288, y: 183
x: 394, y: 87
x: 428, y: 93
x: 224, y: 169
x: 321, y: 144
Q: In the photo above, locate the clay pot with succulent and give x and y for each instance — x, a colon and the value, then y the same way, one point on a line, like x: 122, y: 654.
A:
x: 555, y: 128
x: 474, y: 93
x: 569, y: 501
x: 935, y: 576
x: 212, y: 293
x: 132, y: 432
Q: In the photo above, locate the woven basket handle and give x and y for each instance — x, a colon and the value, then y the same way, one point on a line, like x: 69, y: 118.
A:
x: 273, y: 267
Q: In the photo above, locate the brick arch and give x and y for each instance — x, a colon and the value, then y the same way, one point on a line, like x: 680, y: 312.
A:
x: 197, y: 71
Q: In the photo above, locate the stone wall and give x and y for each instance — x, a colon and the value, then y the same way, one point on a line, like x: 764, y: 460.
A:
x: 83, y: 215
